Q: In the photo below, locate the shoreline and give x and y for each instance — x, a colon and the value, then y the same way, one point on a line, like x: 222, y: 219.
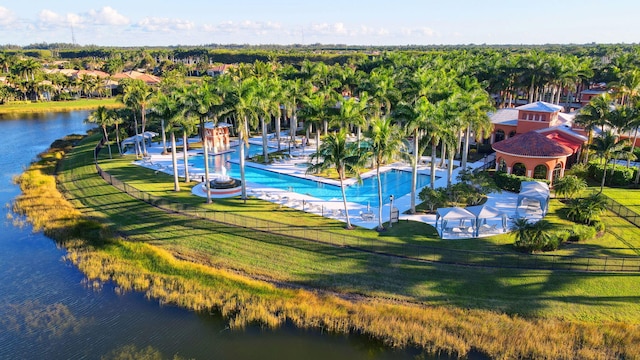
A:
x: 241, y: 299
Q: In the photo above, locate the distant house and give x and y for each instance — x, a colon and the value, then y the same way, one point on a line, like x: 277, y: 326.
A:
x: 147, y: 78
x: 535, y: 140
x: 217, y: 70
x: 588, y: 94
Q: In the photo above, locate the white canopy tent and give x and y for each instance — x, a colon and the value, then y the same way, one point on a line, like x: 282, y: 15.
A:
x: 484, y: 212
x: 536, y: 191
x: 453, y: 214
x: 137, y: 139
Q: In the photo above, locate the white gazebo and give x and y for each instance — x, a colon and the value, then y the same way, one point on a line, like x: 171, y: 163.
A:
x: 484, y: 213
x: 457, y: 215
x: 536, y: 191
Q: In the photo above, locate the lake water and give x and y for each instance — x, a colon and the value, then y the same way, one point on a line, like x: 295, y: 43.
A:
x: 46, y: 311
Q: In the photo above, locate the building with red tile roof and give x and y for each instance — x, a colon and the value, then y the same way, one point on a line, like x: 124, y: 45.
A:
x: 535, y: 140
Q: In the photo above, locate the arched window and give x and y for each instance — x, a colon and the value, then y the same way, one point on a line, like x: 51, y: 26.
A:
x: 499, y: 136
x: 519, y: 169
x: 512, y: 134
x: 540, y: 172
x: 502, y: 165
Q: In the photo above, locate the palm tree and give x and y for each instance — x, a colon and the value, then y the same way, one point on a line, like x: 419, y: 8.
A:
x: 166, y: 107
x: 101, y: 117
x: 336, y: 153
x: 244, y: 110
x: 606, y: 146
x: 137, y: 94
x: 266, y: 106
x: 569, y: 186
x: 385, y: 143
x: 595, y: 113
x: 117, y: 119
x: 475, y: 105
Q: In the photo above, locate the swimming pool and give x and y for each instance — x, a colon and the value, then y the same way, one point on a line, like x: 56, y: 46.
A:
x: 396, y: 182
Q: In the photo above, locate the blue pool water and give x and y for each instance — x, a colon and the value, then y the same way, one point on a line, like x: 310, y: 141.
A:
x: 394, y: 182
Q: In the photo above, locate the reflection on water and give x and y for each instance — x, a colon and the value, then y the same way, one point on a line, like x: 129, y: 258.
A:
x: 48, y: 311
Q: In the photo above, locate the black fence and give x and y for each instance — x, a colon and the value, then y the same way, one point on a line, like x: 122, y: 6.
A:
x: 295, y: 233
x: 623, y: 211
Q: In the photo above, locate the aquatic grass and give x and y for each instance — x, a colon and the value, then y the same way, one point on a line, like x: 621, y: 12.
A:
x: 202, y: 266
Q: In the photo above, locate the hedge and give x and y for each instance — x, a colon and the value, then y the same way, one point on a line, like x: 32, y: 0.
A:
x: 621, y: 174
x: 512, y: 182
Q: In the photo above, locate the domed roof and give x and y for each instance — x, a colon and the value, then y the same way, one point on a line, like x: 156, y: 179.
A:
x: 532, y: 144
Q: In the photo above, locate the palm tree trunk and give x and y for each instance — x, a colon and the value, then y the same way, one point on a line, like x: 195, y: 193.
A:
x: 118, y: 139
x: 380, y: 227
x: 604, y: 175
x: 185, y: 153
x: 344, y: 201
x: 265, y: 150
x: 414, y: 172
x: 174, y: 160
x: 278, y: 125
x: 450, y: 168
x: 135, y: 126
x: 433, y: 163
x: 164, y: 138
x: 205, y: 148
x: 633, y: 146
x: 144, y: 124
x: 106, y: 140
x: 242, y: 175
x: 465, y: 150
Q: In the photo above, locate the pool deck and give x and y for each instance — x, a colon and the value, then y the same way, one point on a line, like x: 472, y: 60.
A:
x: 504, y: 201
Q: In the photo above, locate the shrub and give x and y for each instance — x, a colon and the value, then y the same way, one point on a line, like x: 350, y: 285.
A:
x: 569, y: 186
x: 580, y: 170
x: 582, y: 232
x: 621, y: 175
x: 433, y: 198
x: 512, y: 182
x: 586, y: 210
x: 598, y: 225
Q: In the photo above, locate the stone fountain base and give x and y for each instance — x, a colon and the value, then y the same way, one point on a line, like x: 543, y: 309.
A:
x: 223, y: 187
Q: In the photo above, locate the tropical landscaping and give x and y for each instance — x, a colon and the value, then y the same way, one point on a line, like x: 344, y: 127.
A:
x: 398, y: 107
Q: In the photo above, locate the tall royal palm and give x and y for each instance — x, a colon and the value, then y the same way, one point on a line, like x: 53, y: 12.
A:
x: 335, y: 152
x: 166, y: 107
x: 385, y: 144
x: 244, y: 110
x: 266, y: 105
x: 475, y: 104
x: 103, y: 118
x: 607, y: 146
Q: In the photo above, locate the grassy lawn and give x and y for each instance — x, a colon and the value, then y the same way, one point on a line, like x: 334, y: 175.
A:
x: 628, y: 197
x: 576, y: 296
x: 82, y: 104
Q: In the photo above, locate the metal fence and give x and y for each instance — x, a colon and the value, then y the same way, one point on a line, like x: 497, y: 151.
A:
x: 292, y: 233
x: 623, y: 211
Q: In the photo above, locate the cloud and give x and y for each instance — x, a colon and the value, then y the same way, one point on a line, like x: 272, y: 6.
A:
x: 165, y: 24
x: 246, y: 26
x: 7, y: 17
x: 418, y: 32
x: 107, y: 16
x: 50, y: 19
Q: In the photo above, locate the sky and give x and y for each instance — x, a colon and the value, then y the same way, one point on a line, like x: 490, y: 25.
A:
x: 350, y: 22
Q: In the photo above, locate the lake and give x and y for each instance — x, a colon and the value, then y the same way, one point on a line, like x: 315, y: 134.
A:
x: 47, y: 311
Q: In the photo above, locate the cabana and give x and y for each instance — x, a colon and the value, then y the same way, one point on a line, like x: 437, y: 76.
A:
x: 455, y: 214
x: 137, y: 139
x: 485, y: 212
x: 536, y: 191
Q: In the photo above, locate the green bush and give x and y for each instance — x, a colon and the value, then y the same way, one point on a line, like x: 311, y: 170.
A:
x: 599, y: 226
x: 621, y: 174
x: 512, y: 182
x: 582, y: 232
x: 580, y: 170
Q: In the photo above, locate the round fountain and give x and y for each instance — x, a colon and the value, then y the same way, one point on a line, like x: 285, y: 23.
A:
x: 223, y: 186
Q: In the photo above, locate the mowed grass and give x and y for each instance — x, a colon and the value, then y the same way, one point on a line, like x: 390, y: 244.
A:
x: 629, y: 197
x: 52, y: 106
x: 539, y: 293
x: 195, y: 264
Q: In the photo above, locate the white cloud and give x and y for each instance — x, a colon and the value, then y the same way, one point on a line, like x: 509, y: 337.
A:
x: 107, y: 16
x: 418, y: 32
x: 165, y: 24
x: 7, y: 16
x: 50, y: 19
x: 246, y: 26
